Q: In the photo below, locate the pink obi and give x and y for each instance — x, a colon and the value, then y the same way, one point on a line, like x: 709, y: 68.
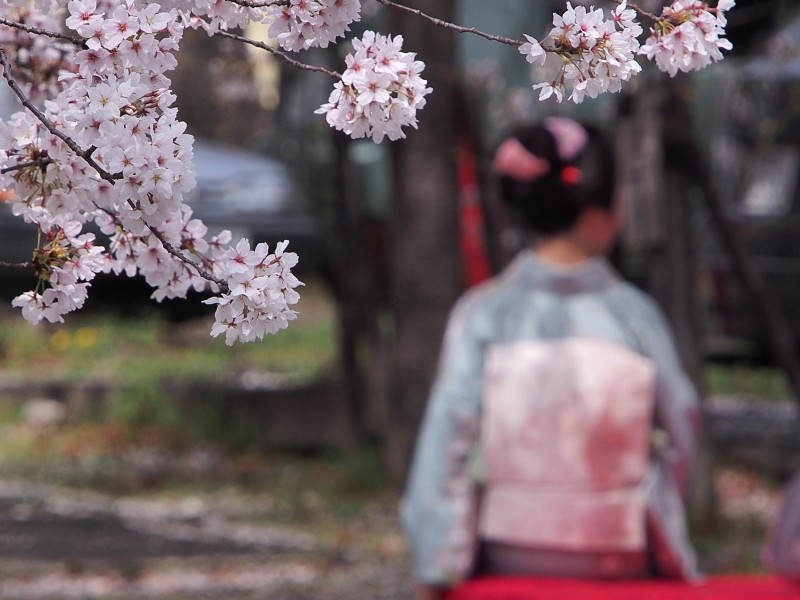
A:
x: 566, y: 439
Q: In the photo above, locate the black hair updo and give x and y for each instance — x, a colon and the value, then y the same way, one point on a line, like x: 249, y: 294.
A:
x: 552, y: 202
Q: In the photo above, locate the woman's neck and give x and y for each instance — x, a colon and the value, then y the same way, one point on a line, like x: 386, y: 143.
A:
x: 562, y: 251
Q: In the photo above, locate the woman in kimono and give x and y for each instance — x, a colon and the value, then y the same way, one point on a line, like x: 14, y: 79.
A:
x: 560, y: 433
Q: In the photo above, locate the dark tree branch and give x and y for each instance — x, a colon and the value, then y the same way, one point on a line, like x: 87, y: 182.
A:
x: 39, y: 162
x: 168, y: 247
x: 36, y: 31
x: 448, y: 25
x: 258, y: 3
x: 22, y: 265
x: 279, y: 53
x: 185, y: 259
x: 640, y: 10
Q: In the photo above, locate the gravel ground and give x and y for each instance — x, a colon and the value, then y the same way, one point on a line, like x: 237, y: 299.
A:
x: 92, y: 512
x: 61, y: 543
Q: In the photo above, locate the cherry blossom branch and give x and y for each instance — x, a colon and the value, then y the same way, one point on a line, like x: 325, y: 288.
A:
x: 640, y: 10
x: 84, y: 154
x: 449, y: 25
x: 87, y: 156
x: 37, y: 31
x: 377, y: 96
x: 168, y: 247
x: 279, y: 54
x: 185, y: 259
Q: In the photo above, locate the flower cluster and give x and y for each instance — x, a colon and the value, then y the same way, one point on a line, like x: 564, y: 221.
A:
x: 303, y: 24
x: 585, y: 53
x: 688, y: 36
x: 260, y: 290
x: 68, y: 260
x: 380, y: 92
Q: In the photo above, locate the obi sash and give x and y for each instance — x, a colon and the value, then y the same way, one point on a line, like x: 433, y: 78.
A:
x: 566, y: 429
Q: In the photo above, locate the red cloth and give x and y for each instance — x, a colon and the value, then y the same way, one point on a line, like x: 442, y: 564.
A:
x: 727, y: 587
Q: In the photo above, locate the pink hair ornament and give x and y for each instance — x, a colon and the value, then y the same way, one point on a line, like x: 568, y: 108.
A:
x: 513, y: 160
x: 570, y: 136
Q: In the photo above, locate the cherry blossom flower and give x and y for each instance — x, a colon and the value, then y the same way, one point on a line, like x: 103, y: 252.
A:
x: 67, y: 261
x: 533, y: 51
x: 36, y: 307
x: 83, y: 17
x: 261, y: 289
x: 120, y: 26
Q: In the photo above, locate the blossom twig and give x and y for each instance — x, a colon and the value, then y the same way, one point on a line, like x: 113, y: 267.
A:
x: 39, y: 162
x: 168, y: 247
x: 279, y: 53
x: 257, y: 3
x: 640, y: 10
x: 21, y: 265
x: 37, y: 31
x: 185, y: 259
x: 448, y: 25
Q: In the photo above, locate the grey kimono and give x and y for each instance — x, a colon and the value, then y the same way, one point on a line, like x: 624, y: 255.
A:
x: 534, y: 308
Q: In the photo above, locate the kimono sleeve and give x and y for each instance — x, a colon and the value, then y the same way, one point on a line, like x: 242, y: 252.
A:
x: 438, y: 510
x: 675, y: 436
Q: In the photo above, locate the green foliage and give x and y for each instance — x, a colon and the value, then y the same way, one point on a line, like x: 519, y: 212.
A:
x: 142, y: 359
x: 143, y: 402
x: 148, y: 348
x: 764, y: 383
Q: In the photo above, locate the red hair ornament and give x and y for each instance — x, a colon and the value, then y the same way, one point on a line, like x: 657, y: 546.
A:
x: 571, y: 176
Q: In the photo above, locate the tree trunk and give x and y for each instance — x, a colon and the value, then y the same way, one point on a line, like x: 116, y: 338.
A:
x: 425, y: 268
x: 353, y: 289
x: 655, y: 186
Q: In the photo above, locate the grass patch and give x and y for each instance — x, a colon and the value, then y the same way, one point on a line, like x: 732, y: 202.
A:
x: 765, y: 383
x: 135, y: 351
x: 137, y: 358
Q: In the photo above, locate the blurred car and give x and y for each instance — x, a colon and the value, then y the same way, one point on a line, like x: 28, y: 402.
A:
x: 255, y: 197
x: 252, y: 195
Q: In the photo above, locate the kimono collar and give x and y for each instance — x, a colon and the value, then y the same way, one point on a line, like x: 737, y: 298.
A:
x: 594, y: 275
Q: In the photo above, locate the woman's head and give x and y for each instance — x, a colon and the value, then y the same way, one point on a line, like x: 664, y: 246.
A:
x: 553, y: 173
